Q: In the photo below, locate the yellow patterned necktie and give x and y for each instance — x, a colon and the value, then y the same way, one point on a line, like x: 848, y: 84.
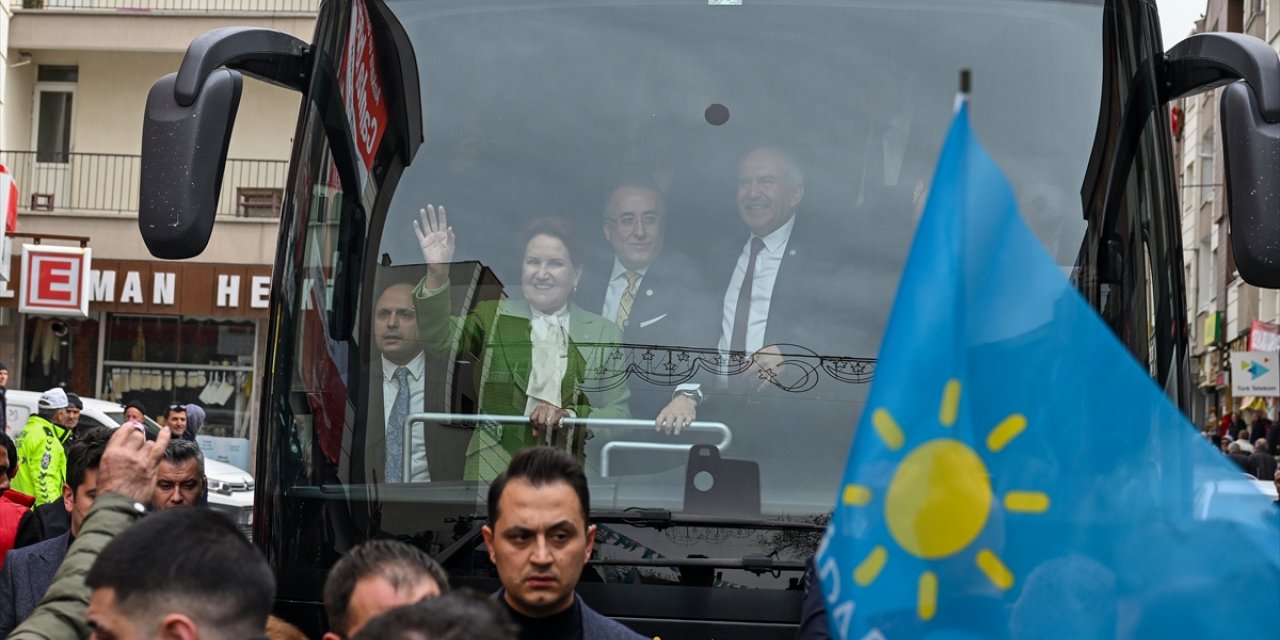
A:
x: 628, y: 297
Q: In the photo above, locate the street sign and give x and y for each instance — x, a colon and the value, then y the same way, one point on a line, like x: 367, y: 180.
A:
x: 55, y: 281
x: 1255, y: 373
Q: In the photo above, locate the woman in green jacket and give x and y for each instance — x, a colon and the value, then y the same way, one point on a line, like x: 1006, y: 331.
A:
x: 542, y: 357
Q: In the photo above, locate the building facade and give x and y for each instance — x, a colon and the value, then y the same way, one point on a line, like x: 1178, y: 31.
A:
x: 1225, y: 313
x: 75, y: 78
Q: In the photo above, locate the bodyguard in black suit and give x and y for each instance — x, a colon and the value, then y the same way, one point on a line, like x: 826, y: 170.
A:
x: 658, y: 299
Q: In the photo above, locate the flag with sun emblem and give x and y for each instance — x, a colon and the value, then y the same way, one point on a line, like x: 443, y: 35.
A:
x: 1023, y: 477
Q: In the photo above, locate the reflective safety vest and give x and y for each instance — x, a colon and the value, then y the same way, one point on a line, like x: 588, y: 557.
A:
x: 42, y: 460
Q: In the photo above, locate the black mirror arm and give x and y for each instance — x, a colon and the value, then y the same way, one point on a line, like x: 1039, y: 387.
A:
x: 269, y: 55
x: 1208, y: 60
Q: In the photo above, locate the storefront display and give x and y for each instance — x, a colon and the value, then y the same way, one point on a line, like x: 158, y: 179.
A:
x: 159, y: 333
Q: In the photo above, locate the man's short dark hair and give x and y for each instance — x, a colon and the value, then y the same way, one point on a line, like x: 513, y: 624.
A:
x: 12, y: 449
x: 633, y: 182
x: 142, y: 408
x: 85, y: 454
x: 180, y: 451
x: 190, y: 561
x: 174, y: 408
x: 74, y: 401
x: 542, y: 466
x: 461, y: 615
x: 398, y: 563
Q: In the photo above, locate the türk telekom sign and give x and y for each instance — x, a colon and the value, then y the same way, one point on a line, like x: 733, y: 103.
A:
x: 55, y: 281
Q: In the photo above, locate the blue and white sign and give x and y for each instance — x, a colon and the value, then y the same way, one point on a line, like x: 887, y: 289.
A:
x: 1255, y: 373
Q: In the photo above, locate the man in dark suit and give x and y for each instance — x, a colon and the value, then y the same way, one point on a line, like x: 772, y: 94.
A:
x: 782, y: 291
x: 789, y: 295
x: 406, y: 380
x: 657, y: 299
x: 28, y: 571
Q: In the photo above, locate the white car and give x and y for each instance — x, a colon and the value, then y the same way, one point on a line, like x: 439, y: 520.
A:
x: 1250, y: 502
x: 230, y: 488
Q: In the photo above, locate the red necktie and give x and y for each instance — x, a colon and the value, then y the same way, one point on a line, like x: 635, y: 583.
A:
x: 738, y: 339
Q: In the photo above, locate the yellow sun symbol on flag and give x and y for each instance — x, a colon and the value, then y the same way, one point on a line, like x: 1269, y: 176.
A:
x: 939, y: 499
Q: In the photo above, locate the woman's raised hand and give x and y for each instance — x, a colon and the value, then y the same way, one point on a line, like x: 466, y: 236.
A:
x: 435, y: 237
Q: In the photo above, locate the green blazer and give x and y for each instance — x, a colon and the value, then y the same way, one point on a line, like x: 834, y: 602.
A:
x: 493, y: 339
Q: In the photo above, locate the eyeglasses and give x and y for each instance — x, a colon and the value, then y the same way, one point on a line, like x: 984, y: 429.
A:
x: 628, y: 222
x: 177, y: 407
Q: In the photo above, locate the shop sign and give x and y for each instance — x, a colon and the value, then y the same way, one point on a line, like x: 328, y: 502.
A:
x: 1264, y: 336
x: 1255, y: 373
x: 55, y: 280
x: 1212, y: 328
x: 193, y: 289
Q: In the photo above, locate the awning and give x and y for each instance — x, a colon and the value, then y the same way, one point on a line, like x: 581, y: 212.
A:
x: 1255, y: 403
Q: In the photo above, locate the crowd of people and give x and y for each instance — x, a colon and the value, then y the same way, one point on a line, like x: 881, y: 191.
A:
x: 1251, y: 440
x: 126, y: 564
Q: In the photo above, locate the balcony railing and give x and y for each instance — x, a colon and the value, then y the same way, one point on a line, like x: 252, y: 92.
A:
x: 180, y: 6
x: 108, y: 183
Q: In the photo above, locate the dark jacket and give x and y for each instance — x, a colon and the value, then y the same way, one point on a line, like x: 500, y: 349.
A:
x: 1262, y: 465
x: 596, y: 626
x: 673, y: 304
x: 673, y: 312
x: 53, y: 519
x: 61, y: 613
x: 27, y: 573
x: 813, y: 613
x: 1241, y: 459
x: 815, y: 304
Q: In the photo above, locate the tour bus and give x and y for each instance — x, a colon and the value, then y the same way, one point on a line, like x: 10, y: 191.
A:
x: 481, y: 124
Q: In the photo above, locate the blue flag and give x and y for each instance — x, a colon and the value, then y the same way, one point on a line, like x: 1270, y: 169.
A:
x: 1016, y: 473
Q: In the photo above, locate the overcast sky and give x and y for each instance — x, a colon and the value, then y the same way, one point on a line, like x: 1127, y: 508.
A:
x: 1178, y: 17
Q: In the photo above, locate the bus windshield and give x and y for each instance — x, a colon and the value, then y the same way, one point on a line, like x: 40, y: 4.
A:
x: 630, y: 212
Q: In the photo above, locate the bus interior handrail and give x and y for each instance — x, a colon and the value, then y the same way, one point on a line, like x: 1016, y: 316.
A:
x: 467, y: 420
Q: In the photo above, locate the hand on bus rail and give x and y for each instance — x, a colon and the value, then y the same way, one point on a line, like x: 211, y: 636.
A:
x: 546, y: 416
x: 436, y: 240
x: 678, y: 414
x: 130, y: 463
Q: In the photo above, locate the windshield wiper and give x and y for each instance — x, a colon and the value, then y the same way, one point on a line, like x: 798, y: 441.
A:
x: 663, y: 518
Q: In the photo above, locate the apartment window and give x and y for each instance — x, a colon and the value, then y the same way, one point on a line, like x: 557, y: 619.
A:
x: 1207, y: 172
x: 1204, y: 265
x: 1190, y: 186
x: 54, y: 103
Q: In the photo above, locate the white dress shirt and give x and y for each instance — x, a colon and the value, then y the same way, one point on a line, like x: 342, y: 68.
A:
x: 617, y: 287
x: 550, y: 358
x: 418, y: 471
x: 768, y: 262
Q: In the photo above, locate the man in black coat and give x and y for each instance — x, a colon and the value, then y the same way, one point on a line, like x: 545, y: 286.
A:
x: 1262, y: 464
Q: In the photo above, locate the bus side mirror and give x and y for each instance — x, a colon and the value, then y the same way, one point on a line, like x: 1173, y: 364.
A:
x: 182, y: 172
x: 1250, y: 71
x: 188, y: 125
x: 1251, y: 148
